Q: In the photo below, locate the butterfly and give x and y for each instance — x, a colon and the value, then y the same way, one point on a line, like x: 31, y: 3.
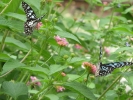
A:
x: 32, y: 20
x: 105, y: 69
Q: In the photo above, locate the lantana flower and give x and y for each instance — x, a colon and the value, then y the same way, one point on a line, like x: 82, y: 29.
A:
x: 61, y: 41
x: 63, y: 74
x: 105, y: 3
x: 33, y: 81
x: 77, y: 46
x: 107, y: 51
x: 60, y: 88
x: 38, y: 25
x: 90, y: 67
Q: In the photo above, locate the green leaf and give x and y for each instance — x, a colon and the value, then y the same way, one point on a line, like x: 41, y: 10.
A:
x: 124, y: 49
x: 122, y: 29
x: 37, y: 69
x: 91, y: 85
x: 52, y: 97
x: 104, y: 21
x: 128, y: 10
x: 72, y: 76
x: 14, y: 42
x: 82, y: 89
x: 76, y: 59
x: 67, y: 35
x: 11, y: 64
x: 12, y: 6
x: 56, y: 68
x: 129, y: 78
x: 17, y: 16
x: 12, y: 24
x: 14, y: 89
x: 111, y: 95
x: 4, y: 57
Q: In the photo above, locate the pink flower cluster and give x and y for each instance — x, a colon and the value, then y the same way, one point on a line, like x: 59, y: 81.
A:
x: 34, y: 81
x: 61, y: 41
x: 90, y: 67
x: 107, y: 51
x: 38, y: 25
x: 60, y: 88
x: 77, y: 46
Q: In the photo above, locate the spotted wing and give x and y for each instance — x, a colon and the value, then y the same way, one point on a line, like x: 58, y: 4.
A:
x: 108, y: 68
x: 29, y: 12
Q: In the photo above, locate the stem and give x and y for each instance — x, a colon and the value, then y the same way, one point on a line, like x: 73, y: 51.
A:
x: 6, y: 7
x: 111, y: 19
x: 26, y: 56
x: 44, y: 42
x: 20, y: 62
x: 70, y: 1
x: 34, y: 96
x: 111, y: 85
x: 3, y: 41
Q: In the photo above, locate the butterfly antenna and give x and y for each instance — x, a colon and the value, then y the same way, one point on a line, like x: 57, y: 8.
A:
x: 100, y: 53
x: 42, y: 16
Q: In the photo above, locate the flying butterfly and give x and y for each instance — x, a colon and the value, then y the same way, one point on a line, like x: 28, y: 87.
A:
x: 32, y: 20
x: 105, y: 69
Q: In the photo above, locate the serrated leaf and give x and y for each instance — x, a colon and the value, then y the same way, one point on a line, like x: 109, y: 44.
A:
x: 12, y: 24
x: 11, y: 64
x: 56, y: 68
x: 12, y: 41
x: 37, y: 69
x: 17, y: 16
x: 14, y: 89
x: 82, y: 89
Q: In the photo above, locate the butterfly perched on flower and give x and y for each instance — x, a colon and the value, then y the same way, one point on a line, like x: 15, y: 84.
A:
x: 32, y: 20
x: 105, y: 69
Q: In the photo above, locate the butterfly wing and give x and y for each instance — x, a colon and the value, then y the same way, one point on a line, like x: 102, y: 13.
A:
x: 31, y: 19
x: 29, y: 12
x: 108, y: 68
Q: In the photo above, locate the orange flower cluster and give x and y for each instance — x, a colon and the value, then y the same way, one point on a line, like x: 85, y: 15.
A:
x: 90, y: 67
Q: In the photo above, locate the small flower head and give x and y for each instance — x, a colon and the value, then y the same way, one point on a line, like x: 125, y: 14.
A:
x: 63, y: 74
x: 61, y: 41
x: 38, y: 25
x: 60, y: 88
x: 33, y: 81
x: 58, y: 4
x: 105, y: 3
x: 90, y: 67
x: 107, y: 51
x: 77, y: 46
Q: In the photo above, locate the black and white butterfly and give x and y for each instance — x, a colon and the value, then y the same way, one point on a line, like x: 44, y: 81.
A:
x: 32, y: 20
x: 105, y: 69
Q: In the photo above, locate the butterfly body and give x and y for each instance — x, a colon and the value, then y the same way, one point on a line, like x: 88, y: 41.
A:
x: 32, y: 20
x: 109, y: 67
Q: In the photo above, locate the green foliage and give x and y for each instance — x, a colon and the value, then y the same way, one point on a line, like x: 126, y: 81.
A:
x: 48, y: 64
